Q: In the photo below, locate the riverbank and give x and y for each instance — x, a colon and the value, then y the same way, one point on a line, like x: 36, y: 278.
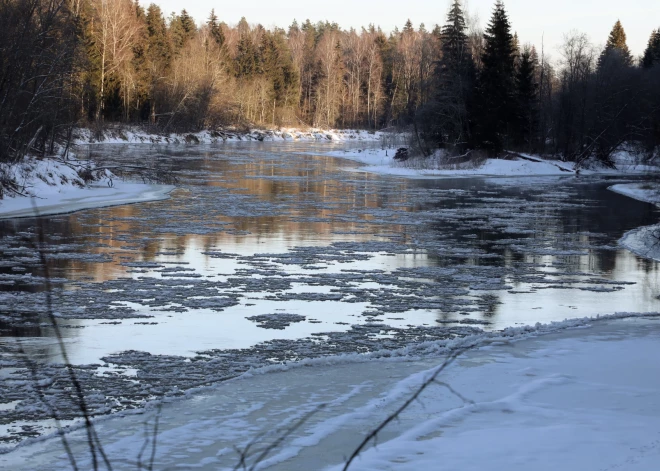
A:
x: 551, y: 396
x: 381, y: 161
x: 132, y: 135
x: 43, y: 187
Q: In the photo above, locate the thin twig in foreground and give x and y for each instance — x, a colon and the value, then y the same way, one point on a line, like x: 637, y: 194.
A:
x: 432, y: 379
x: 92, y: 438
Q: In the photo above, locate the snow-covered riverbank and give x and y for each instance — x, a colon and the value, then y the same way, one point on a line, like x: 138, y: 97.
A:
x: 568, y: 399
x: 52, y: 186
x: 126, y: 135
x: 379, y: 160
x: 382, y: 161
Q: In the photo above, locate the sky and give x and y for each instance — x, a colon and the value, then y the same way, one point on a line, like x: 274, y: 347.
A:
x: 534, y: 21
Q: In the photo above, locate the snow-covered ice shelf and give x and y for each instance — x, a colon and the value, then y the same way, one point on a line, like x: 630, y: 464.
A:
x: 53, y: 186
x: 648, y: 192
x: 644, y: 241
x: 581, y: 399
x: 76, y: 199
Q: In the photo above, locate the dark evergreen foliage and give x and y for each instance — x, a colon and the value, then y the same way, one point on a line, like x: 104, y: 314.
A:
x: 527, y: 101
x: 182, y: 29
x: 247, y: 57
x: 455, y: 76
x: 652, y: 52
x: 215, y: 29
x: 496, y: 83
x: 158, y: 57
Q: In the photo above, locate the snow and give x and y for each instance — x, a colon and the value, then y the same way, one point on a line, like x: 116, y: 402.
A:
x: 381, y: 161
x: 53, y: 186
x: 125, y: 135
x: 648, y: 192
x: 643, y: 241
x: 582, y: 398
x: 549, y: 405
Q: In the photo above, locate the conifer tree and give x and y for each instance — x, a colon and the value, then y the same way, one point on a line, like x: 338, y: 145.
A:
x: 247, y: 57
x: 496, y: 82
x: 408, y: 27
x: 455, y: 82
x: 455, y: 52
x: 652, y: 52
x: 158, y: 54
x: 182, y: 29
x: 277, y: 67
x: 293, y: 28
x: 158, y: 46
x: 526, y: 99
x: 516, y: 50
x: 215, y: 29
x: 616, y: 47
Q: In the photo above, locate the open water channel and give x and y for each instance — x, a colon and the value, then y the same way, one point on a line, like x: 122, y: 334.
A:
x: 271, y: 252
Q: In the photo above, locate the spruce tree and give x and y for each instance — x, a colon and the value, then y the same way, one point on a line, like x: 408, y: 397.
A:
x: 496, y: 83
x: 158, y: 54
x: 215, y: 29
x: 616, y: 48
x: 182, y: 29
x: 454, y: 82
x: 527, y: 100
x: 276, y: 66
x: 652, y: 52
x: 293, y: 28
x: 158, y: 46
x: 247, y: 61
x: 454, y: 40
x: 516, y: 50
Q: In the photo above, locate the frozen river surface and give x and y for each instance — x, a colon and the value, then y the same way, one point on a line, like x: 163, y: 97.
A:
x: 582, y: 399
x: 270, y: 253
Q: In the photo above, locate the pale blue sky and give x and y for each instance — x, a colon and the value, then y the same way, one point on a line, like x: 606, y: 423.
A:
x: 530, y: 18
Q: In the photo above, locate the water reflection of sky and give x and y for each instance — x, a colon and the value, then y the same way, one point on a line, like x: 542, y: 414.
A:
x: 248, y: 199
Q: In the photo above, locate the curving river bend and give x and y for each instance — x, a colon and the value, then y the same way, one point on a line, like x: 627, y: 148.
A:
x: 272, y: 252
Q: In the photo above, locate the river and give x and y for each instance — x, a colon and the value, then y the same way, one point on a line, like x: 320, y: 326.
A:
x: 273, y: 252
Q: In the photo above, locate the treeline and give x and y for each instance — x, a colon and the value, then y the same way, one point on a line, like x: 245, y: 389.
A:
x: 507, y: 96
x: 65, y: 63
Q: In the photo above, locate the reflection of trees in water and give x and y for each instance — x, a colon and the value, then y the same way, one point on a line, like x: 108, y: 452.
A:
x: 601, y: 221
x: 40, y: 347
x: 310, y: 187
x: 30, y: 329
x: 33, y: 339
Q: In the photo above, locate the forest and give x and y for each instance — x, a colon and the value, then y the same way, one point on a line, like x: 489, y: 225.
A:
x: 66, y: 64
